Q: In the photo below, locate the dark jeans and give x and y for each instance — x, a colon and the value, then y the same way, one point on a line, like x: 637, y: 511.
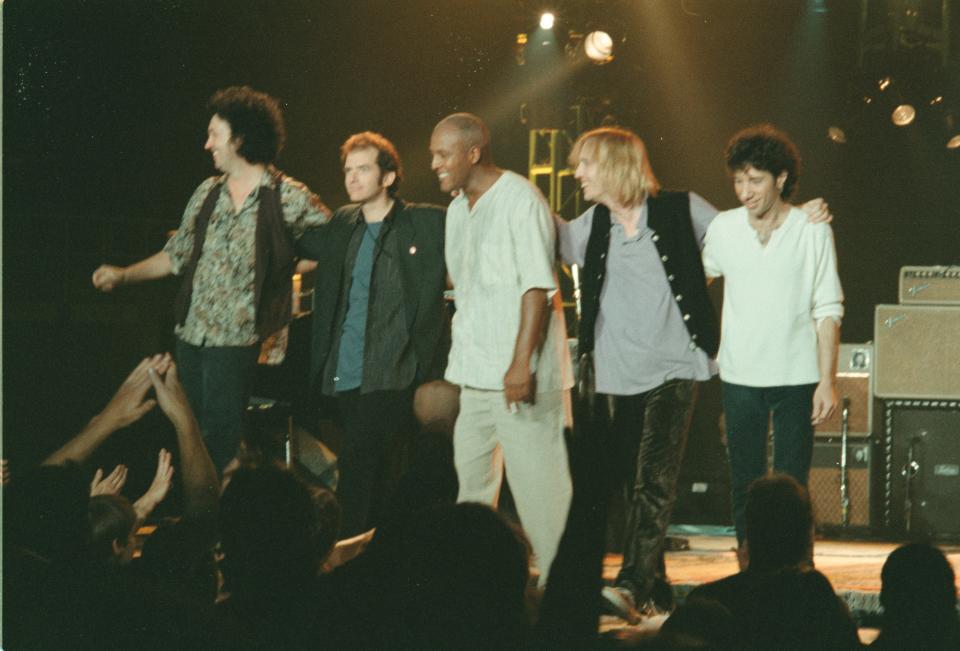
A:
x: 377, y: 428
x: 218, y: 380
x: 645, y: 436
x: 747, y: 413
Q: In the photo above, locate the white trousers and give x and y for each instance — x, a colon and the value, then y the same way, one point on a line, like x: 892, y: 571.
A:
x: 530, y: 442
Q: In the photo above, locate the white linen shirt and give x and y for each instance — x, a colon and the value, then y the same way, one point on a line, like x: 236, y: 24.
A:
x: 773, y: 297
x: 495, y: 252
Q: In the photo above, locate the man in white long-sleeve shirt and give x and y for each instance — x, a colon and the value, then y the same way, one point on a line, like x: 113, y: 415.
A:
x: 782, y: 307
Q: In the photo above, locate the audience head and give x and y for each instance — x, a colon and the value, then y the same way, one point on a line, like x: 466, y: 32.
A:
x: 112, y: 523
x: 461, y: 578
x: 270, y: 532
x: 779, y: 523
x: 918, y: 582
x: 179, y: 557
x: 45, y: 512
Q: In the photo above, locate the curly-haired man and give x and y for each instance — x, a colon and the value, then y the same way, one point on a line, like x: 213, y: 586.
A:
x: 235, y: 253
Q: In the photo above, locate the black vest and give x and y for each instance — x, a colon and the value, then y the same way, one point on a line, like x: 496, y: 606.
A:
x: 274, y: 260
x: 668, y: 217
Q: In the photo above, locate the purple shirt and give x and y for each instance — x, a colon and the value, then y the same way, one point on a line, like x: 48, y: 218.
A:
x: 641, y: 339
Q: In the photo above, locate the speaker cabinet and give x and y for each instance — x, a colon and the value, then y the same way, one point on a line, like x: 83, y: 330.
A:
x: 854, y: 370
x: 922, y: 467
x: 825, y: 482
x: 917, y: 352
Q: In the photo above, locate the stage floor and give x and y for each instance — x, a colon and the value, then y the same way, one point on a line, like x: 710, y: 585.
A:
x: 853, y: 567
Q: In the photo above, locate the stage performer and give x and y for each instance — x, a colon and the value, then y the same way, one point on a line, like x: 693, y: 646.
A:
x: 781, y: 314
x: 235, y: 252
x: 648, y: 334
x: 509, y: 352
x: 377, y: 321
x: 651, y: 330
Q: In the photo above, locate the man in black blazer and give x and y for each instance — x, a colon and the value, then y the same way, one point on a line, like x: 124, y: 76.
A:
x: 377, y: 320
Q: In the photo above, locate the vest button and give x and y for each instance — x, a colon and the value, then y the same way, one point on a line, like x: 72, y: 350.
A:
x: 686, y: 317
x: 693, y: 346
x: 670, y: 277
x: 693, y: 336
x: 664, y: 258
x: 655, y: 238
x: 679, y: 297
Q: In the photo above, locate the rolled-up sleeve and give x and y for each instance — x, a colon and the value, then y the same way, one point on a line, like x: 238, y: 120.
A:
x: 827, y: 292
x: 180, y: 246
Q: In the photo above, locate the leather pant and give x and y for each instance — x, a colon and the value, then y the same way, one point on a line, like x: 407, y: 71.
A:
x: 644, y: 439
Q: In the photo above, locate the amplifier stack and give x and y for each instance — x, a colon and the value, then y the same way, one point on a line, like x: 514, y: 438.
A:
x: 917, y: 383
x: 889, y: 458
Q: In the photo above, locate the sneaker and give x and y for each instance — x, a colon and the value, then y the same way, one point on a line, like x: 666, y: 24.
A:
x: 619, y: 602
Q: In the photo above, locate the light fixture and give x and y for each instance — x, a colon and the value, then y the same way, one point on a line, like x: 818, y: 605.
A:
x: 598, y: 46
x: 903, y: 115
x: 547, y: 19
x: 837, y: 135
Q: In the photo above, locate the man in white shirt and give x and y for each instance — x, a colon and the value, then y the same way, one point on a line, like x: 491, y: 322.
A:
x: 509, y: 352
x: 781, y: 313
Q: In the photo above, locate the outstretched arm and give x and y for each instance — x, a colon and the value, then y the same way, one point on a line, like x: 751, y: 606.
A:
x: 200, y: 482
x: 127, y: 406
x: 107, y: 277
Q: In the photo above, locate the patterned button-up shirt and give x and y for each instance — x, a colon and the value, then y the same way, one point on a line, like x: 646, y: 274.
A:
x: 222, y: 310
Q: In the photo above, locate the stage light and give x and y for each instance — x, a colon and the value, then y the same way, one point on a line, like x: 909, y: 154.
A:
x: 954, y: 143
x: 837, y: 135
x: 884, y: 83
x: 598, y: 46
x: 903, y: 115
x: 547, y: 20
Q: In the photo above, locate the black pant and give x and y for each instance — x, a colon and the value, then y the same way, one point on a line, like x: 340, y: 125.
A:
x: 645, y: 436
x: 377, y: 428
x: 747, y: 412
x: 217, y: 381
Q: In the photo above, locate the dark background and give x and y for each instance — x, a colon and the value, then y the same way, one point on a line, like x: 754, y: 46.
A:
x: 104, y: 124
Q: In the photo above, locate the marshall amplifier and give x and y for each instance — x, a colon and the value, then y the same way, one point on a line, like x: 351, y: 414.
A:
x: 930, y: 285
x: 917, y: 352
x: 921, y: 473
x: 854, y: 370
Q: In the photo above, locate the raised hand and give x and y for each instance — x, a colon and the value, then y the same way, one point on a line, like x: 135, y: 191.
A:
x: 112, y: 484
x: 128, y: 404
x: 159, y: 488
x: 170, y: 394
